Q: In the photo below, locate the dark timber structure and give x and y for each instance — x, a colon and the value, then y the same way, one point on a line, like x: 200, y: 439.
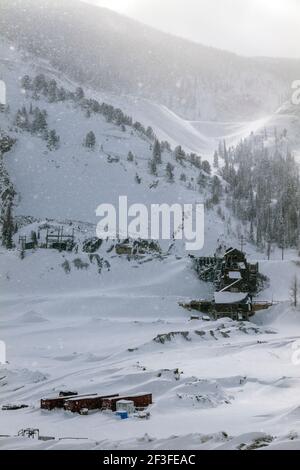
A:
x: 58, y: 402
x: 54, y: 239
x: 77, y: 404
x: 235, y: 281
x: 59, y: 240
x: 231, y: 272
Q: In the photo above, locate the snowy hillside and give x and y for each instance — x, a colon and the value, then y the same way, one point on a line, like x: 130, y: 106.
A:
x: 71, y: 181
x: 107, y: 51
x: 95, y: 321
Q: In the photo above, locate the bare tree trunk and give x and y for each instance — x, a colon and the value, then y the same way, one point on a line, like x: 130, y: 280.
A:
x: 269, y: 250
x: 294, y: 292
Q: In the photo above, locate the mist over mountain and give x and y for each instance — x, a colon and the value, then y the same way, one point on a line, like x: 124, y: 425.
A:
x: 107, y: 51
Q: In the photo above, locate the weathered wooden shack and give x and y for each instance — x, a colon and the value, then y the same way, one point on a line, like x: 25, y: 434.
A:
x: 140, y: 401
x: 77, y: 404
x: 59, y: 241
x: 237, y: 273
x: 233, y: 256
x: 57, y: 402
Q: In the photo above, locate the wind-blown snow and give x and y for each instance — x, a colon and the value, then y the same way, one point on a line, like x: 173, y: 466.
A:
x: 223, y: 384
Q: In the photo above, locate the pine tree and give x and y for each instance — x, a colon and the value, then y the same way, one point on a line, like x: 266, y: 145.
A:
x: 216, y: 160
x: 52, y: 91
x: 26, y: 82
x: 90, y: 140
x: 201, y: 180
x: 206, y: 167
x: 39, y: 123
x: 216, y: 189
x: 150, y: 133
x: 179, y: 154
x: 79, y: 94
x: 170, y: 172
x: 8, y: 227
x: 157, y: 152
x: 21, y: 119
x: 152, y: 167
x: 53, y: 140
x: 40, y: 83
x: 130, y: 156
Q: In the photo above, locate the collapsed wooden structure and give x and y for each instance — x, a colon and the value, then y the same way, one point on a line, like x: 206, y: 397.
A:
x: 236, y: 282
x: 237, y: 274
x: 60, y: 241
x: 55, y: 239
x: 232, y: 271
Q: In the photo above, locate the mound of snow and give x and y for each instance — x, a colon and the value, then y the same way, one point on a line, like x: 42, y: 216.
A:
x: 32, y: 317
x: 15, y: 378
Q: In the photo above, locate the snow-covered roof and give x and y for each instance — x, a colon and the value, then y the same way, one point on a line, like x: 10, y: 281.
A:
x: 235, y: 275
x: 81, y: 397
x: 229, y: 250
x: 242, y: 265
x: 229, y: 297
x: 125, y: 402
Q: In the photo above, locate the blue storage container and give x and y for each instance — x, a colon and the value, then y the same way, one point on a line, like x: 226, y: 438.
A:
x: 122, y: 414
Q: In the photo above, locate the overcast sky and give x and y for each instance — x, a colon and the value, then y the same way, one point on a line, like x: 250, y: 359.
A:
x: 248, y: 27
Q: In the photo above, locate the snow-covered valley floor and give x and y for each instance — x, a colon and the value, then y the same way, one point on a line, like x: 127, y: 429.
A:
x: 238, y: 383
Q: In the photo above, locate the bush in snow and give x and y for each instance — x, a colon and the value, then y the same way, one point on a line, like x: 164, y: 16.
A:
x: 79, y: 264
x: 53, y: 140
x: 170, y: 172
x: 66, y: 266
x: 90, y: 140
x: 130, y: 156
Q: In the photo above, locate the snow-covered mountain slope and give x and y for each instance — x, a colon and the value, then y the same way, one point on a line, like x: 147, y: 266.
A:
x: 108, y: 51
x: 201, y: 137
x: 195, y: 136
x: 71, y: 181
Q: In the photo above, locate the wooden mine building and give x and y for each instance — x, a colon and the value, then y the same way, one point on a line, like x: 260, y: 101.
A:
x: 235, y: 280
